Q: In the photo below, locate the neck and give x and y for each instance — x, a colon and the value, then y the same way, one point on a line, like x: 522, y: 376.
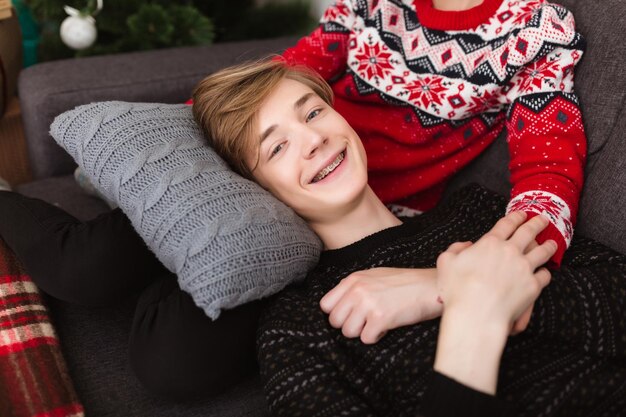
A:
x: 455, y: 5
x: 367, y: 216
x: 455, y: 14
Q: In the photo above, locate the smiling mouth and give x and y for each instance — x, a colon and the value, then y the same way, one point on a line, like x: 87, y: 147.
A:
x: 330, y: 168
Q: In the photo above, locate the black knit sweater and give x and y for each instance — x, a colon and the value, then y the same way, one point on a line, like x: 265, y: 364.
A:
x: 569, y: 362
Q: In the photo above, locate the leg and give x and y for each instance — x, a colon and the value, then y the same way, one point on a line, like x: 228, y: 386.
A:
x: 178, y: 352
x: 90, y: 263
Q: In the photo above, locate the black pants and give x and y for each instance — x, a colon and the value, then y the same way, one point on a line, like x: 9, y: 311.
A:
x: 175, y: 349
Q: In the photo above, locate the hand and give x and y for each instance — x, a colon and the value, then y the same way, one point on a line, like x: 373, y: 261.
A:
x: 494, y: 278
x: 369, y: 303
x: 485, y: 288
x: 524, y: 319
x: 522, y: 322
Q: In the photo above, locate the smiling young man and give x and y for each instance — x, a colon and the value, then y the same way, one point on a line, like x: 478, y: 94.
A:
x: 311, y: 159
x: 430, y: 84
x: 354, y: 339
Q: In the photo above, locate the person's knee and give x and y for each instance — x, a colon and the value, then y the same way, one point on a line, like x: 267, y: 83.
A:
x: 69, y: 275
x: 179, y: 353
x: 89, y: 263
x: 96, y: 263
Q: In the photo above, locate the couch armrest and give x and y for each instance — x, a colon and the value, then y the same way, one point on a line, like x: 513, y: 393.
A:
x: 166, y: 75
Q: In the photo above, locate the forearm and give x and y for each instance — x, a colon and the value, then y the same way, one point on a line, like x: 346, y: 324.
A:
x: 325, y: 51
x: 546, y: 135
x: 469, y: 350
x: 547, y: 164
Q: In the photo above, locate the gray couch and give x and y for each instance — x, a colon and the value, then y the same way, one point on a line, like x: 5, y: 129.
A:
x: 94, y: 341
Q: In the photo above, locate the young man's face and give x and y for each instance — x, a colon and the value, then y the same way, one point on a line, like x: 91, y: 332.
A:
x: 309, y: 157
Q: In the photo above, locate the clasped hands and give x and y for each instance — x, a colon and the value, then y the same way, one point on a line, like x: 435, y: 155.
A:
x: 497, y: 278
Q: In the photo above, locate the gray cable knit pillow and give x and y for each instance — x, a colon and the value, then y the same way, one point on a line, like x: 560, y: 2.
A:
x: 228, y: 240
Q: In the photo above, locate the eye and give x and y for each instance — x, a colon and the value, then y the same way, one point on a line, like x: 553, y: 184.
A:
x: 277, y: 149
x: 313, y: 114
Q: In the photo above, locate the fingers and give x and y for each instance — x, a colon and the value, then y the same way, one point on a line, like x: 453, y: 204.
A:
x: 371, y: 333
x: 507, y: 225
x: 353, y: 326
x: 522, y: 235
x: 543, y: 277
x: 332, y: 297
x: 522, y: 321
x: 531, y: 246
x: 541, y: 253
x: 527, y: 232
x: 342, y: 314
x: 339, y: 314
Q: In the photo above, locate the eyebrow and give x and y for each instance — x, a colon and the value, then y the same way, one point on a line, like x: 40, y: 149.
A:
x: 296, y: 106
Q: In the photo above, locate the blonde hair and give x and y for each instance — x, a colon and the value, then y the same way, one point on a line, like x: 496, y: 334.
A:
x: 226, y: 104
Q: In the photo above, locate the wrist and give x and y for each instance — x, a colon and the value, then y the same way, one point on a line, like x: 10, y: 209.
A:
x: 427, y: 297
x: 481, y: 319
x: 469, y: 349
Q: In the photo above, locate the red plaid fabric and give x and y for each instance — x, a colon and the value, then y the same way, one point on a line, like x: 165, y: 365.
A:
x: 34, y: 381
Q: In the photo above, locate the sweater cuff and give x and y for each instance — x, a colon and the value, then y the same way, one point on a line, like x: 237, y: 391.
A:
x: 556, y: 209
x: 445, y: 397
x: 551, y: 233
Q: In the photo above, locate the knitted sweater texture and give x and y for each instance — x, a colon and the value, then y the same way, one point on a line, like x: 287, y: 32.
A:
x: 569, y: 362
x: 428, y: 90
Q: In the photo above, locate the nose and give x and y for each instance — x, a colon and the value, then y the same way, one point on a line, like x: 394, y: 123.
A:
x: 313, y: 141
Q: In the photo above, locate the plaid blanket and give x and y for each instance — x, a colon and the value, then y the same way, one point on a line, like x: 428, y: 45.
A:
x: 33, y: 376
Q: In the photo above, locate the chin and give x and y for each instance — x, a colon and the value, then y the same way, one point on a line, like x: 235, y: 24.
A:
x: 352, y: 193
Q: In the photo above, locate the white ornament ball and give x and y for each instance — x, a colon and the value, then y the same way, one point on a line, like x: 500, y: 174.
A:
x: 79, y: 32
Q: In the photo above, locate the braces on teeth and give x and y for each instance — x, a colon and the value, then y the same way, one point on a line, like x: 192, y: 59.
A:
x: 329, y: 168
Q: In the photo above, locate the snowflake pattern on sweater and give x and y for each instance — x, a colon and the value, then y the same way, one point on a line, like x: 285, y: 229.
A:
x: 427, y: 91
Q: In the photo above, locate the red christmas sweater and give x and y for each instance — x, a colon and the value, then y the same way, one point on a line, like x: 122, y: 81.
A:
x: 428, y: 90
